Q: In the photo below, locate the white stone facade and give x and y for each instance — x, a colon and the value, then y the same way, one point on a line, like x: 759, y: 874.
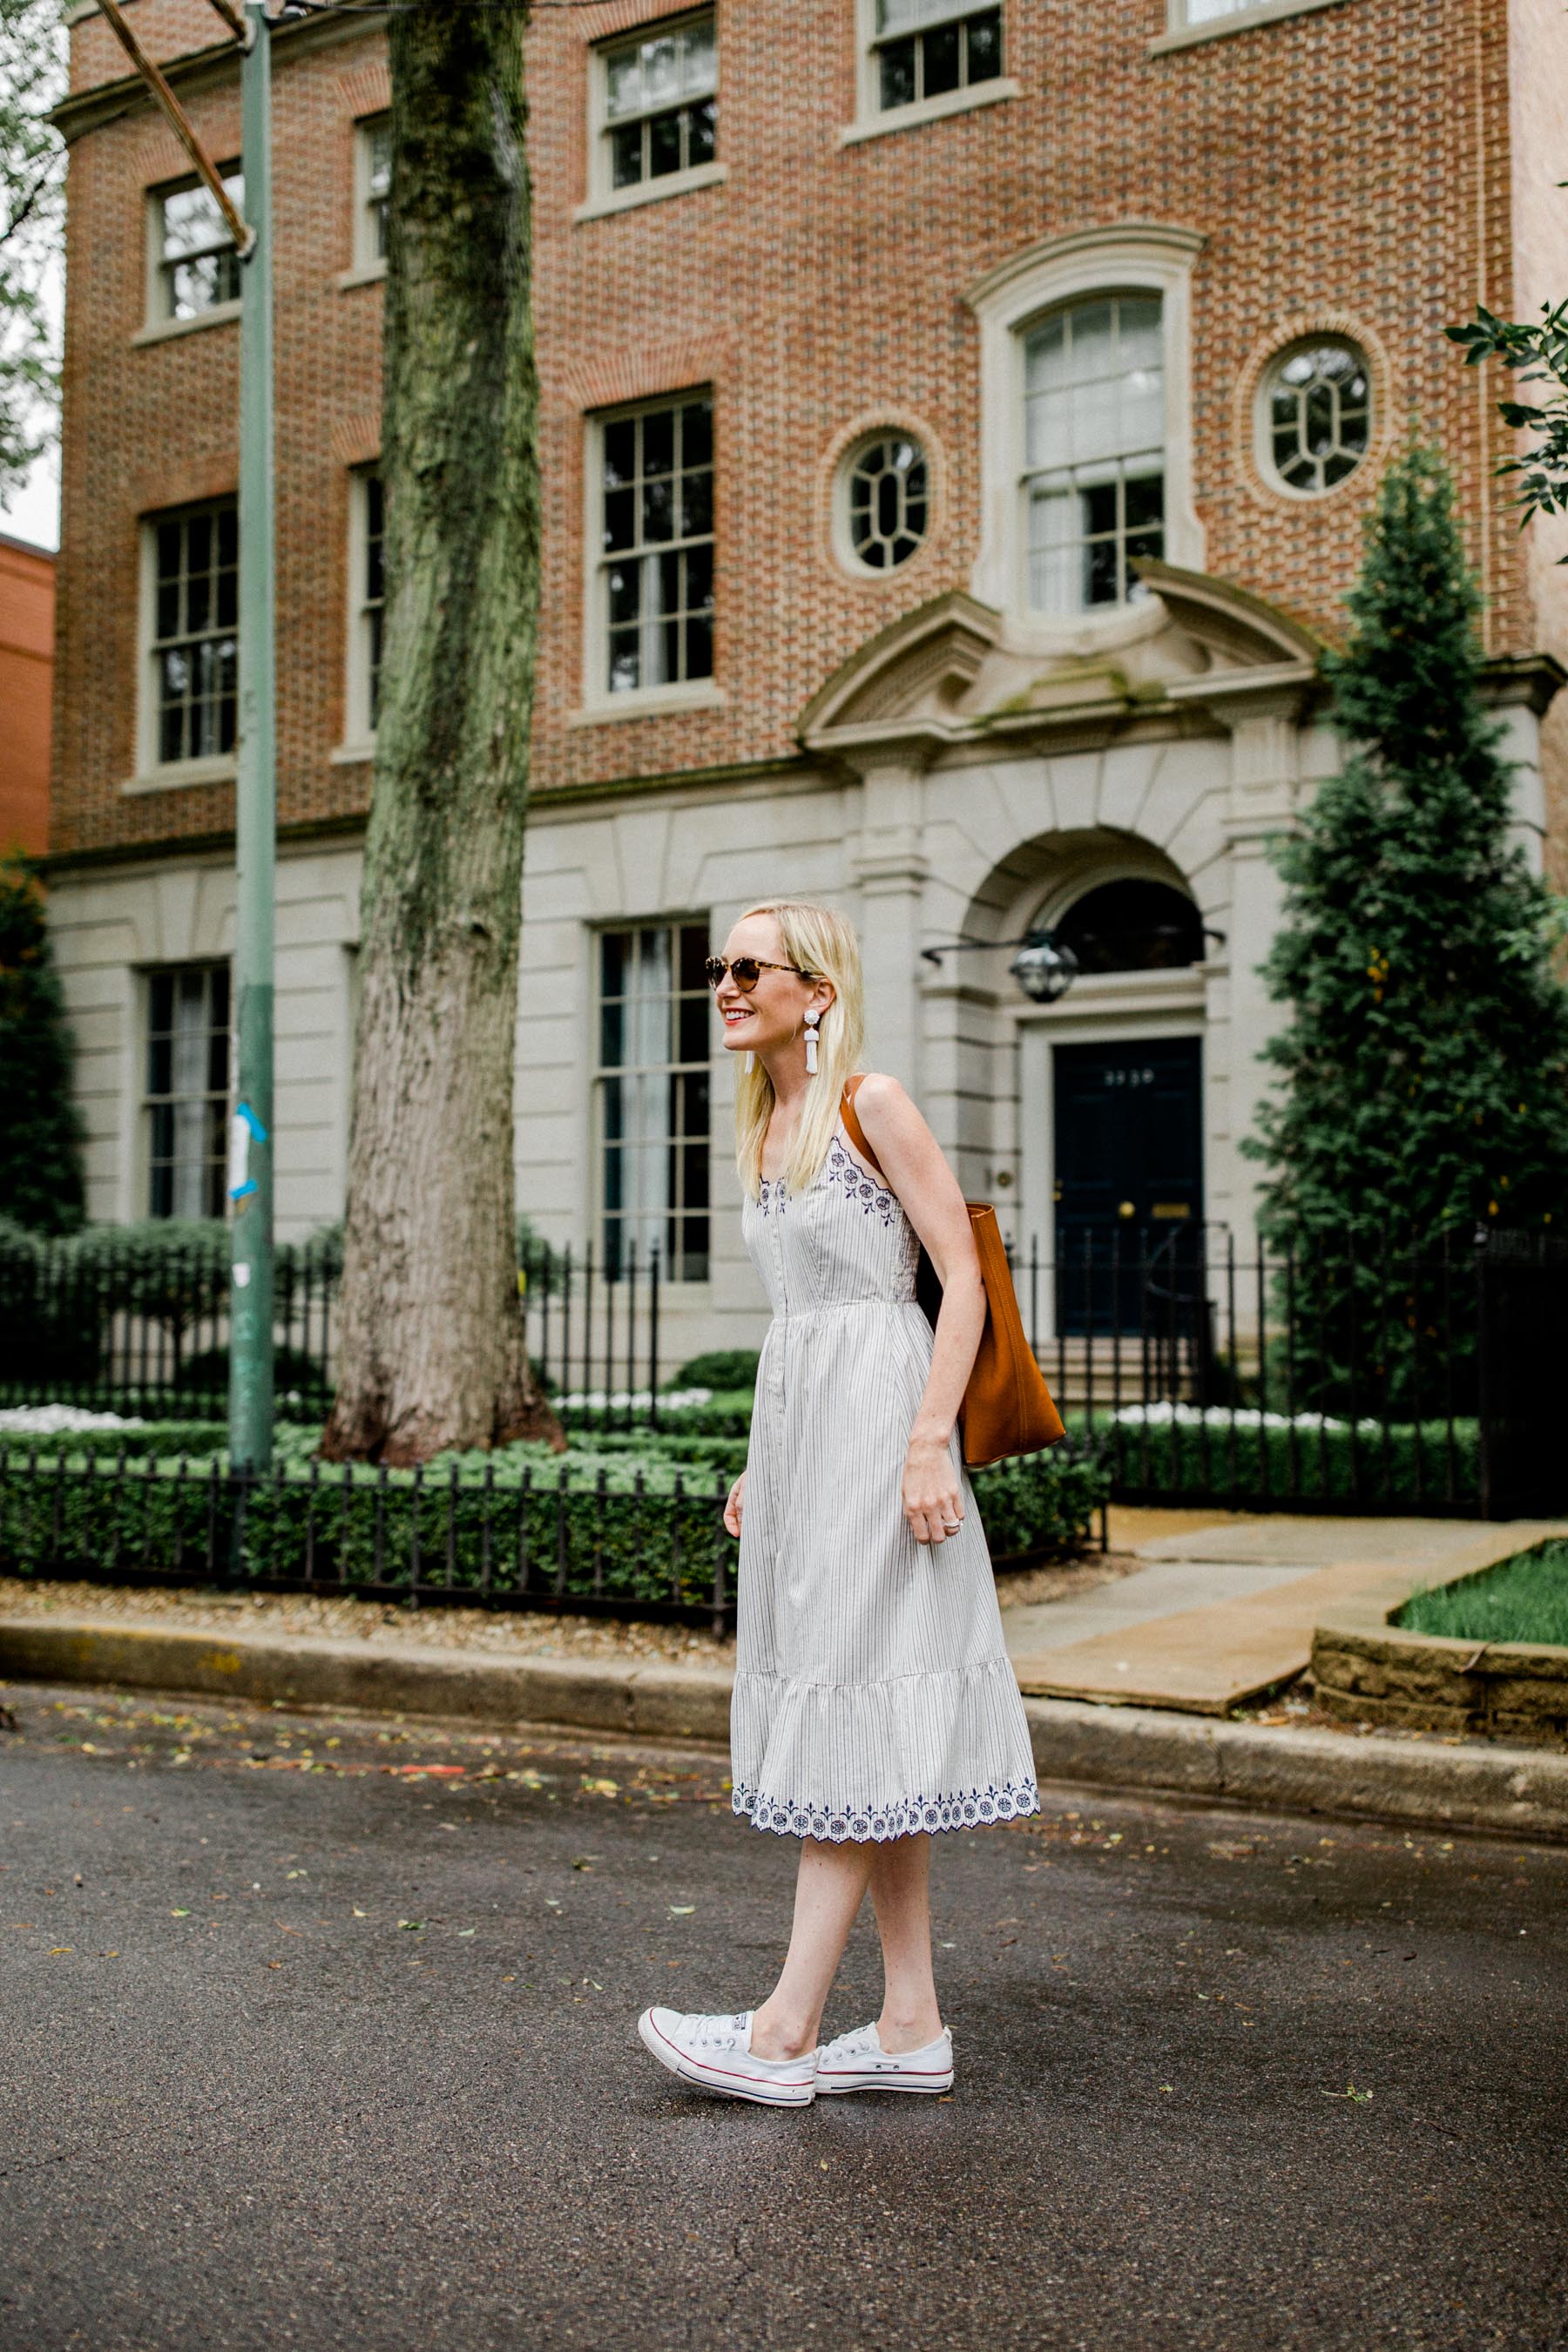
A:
x: 955, y: 786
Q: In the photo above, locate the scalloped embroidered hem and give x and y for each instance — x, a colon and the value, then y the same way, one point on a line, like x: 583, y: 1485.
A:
x: 964, y: 1809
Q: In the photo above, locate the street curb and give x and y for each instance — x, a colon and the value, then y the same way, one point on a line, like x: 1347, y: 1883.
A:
x: 1517, y: 1791
x: 650, y: 1702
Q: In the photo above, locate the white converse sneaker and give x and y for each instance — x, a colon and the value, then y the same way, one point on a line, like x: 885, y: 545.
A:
x: 857, y: 2062
x: 715, y: 2053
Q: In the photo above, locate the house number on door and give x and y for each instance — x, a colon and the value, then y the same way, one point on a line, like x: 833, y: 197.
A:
x: 1144, y: 1077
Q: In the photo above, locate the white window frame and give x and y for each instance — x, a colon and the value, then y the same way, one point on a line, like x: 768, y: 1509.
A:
x: 598, y: 702
x: 152, y: 772
x: 368, y: 263
x: 1135, y: 258
x: 159, y: 321
x: 672, y: 1068
x: 1263, y: 417
x: 1186, y: 31
x: 359, y: 725
x: 873, y: 120
x: 603, y: 197
x: 214, y: 1162
x: 844, y: 547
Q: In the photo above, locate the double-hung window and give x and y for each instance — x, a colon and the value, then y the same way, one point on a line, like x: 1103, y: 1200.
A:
x: 372, y: 184
x: 193, y: 648
x: 1094, y: 451
x: 655, y: 1011
x: 186, y: 1098
x: 659, y: 95
x: 194, y: 266
x: 656, y: 546
x: 367, y: 601
x: 929, y: 49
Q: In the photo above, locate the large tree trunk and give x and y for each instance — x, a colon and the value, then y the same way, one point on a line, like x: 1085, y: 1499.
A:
x: 430, y: 1335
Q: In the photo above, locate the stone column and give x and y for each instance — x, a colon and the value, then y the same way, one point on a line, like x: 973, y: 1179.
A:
x: 889, y: 866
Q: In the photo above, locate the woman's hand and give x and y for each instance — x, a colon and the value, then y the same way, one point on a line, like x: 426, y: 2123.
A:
x: 733, y: 1507
x: 933, y: 1498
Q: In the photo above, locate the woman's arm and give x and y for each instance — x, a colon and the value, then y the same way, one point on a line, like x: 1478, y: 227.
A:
x: 911, y: 1159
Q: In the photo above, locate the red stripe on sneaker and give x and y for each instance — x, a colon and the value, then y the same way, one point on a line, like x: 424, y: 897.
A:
x: 709, y: 2068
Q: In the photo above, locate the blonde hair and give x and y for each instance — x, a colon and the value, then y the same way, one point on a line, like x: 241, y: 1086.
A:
x: 821, y: 942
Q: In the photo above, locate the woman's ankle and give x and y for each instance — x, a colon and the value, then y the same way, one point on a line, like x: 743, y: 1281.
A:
x: 777, y: 2035
x: 900, y: 2032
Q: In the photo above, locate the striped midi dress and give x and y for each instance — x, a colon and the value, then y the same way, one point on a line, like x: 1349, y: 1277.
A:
x: 873, y: 1692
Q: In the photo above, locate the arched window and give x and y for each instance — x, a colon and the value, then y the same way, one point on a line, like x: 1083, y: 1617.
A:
x: 1132, y: 927
x: 1094, y: 450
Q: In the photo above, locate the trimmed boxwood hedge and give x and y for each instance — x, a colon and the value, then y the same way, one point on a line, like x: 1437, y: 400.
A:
x: 1403, y: 1464
x: 634, y: 1526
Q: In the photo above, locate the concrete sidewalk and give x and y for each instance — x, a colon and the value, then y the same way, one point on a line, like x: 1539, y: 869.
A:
x: 1226, y: 1605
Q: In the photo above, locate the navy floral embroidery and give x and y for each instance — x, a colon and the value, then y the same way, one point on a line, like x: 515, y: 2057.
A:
x: 875, y: 1199
x: 772, y: 1196
x: 960, y: 1809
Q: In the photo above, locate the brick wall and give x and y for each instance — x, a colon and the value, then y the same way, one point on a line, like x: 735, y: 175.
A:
x: 1352, y: 164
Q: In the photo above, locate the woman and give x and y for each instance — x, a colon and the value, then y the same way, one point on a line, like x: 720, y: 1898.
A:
x: 874, y: 1702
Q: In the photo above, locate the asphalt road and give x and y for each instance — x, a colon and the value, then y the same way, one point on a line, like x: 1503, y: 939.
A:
x: 301, y: 2046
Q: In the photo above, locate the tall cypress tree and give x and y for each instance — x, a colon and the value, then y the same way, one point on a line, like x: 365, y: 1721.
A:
x: 40, y: 1131
x: 1425, y: 1059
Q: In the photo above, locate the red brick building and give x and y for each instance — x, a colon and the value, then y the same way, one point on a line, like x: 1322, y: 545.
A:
x: 881, y: 342
x: 27, y: 658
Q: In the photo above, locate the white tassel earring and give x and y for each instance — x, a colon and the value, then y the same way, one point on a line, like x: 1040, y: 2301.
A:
x: 750, y: 1063
x: 811, y: 1018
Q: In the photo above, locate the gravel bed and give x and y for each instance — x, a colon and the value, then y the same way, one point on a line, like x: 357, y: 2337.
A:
x: 513, y: 1632
x: 516, y: 1632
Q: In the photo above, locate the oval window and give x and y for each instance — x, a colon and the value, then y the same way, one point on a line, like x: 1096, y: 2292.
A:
x: 886, y: 501
x: 1315, y: 424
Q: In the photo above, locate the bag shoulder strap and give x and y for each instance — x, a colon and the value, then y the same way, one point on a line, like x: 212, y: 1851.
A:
x: 853, y: 1129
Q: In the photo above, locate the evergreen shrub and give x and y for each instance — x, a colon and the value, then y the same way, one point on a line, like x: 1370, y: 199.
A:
x: 1424, y: 1061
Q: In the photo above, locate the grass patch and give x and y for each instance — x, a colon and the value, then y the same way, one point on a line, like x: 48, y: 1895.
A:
x: 1524, y: 1598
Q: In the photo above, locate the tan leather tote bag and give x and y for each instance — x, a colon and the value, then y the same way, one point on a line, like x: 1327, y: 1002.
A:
x: 1007, y: 1409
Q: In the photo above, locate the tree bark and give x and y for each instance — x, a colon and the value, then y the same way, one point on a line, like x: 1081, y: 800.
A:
x: 431, y: 1334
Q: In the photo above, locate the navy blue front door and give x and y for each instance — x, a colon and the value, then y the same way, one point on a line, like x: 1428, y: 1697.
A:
x: 1129, y: 1177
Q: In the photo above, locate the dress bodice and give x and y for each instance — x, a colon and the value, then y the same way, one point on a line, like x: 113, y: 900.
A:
x: 845, y: 1241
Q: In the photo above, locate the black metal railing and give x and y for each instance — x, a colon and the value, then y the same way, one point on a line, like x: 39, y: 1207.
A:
x: 1362, y: 1378
x: 645, y: 1545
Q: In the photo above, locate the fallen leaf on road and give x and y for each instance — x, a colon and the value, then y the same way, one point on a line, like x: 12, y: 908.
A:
x: 55, y: 1950
x: 411, y: 1923
x: 360, y: 1915
x: 682, y: 1910
x: 179, y: 1915
x: 1350, y: 2092
x: 601, y: 1788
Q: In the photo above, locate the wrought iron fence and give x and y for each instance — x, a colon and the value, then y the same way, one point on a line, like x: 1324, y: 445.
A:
x: 116, y: 1321
x: 646, y: 1546
x: 1366, y: 1379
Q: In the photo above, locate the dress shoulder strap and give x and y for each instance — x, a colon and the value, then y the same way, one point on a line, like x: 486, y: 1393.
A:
x: 853, y: 1129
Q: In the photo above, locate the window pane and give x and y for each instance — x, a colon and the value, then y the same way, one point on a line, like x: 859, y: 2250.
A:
x: 699, y: 62
x: 699, y: 645
x: 626, y: 155
x: 941, y: 61
x: 696, y: 505
x: 663, y: 146
x: 620, y: 450
x: 984, y: 36
x: 658, y: 441
x: 898, y: 73
x: 697, y: 434
x: 701, y: 123
x: 620, y: 519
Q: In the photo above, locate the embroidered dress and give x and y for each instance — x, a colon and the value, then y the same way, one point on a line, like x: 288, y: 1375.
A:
x: 873, y: 1692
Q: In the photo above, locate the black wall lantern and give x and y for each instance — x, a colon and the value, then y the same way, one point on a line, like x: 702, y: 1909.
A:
x: 1044, y: 967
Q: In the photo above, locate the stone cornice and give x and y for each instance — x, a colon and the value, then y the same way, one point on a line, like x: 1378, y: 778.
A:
x: 106, y: 101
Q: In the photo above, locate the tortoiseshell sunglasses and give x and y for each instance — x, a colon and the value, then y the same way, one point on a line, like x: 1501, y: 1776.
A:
x: 746, y: 970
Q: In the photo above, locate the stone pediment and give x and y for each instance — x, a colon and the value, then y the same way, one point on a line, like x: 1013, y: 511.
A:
x: 947, y: 673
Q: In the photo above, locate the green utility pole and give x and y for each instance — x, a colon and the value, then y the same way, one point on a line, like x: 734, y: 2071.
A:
x: 250, y: 1146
